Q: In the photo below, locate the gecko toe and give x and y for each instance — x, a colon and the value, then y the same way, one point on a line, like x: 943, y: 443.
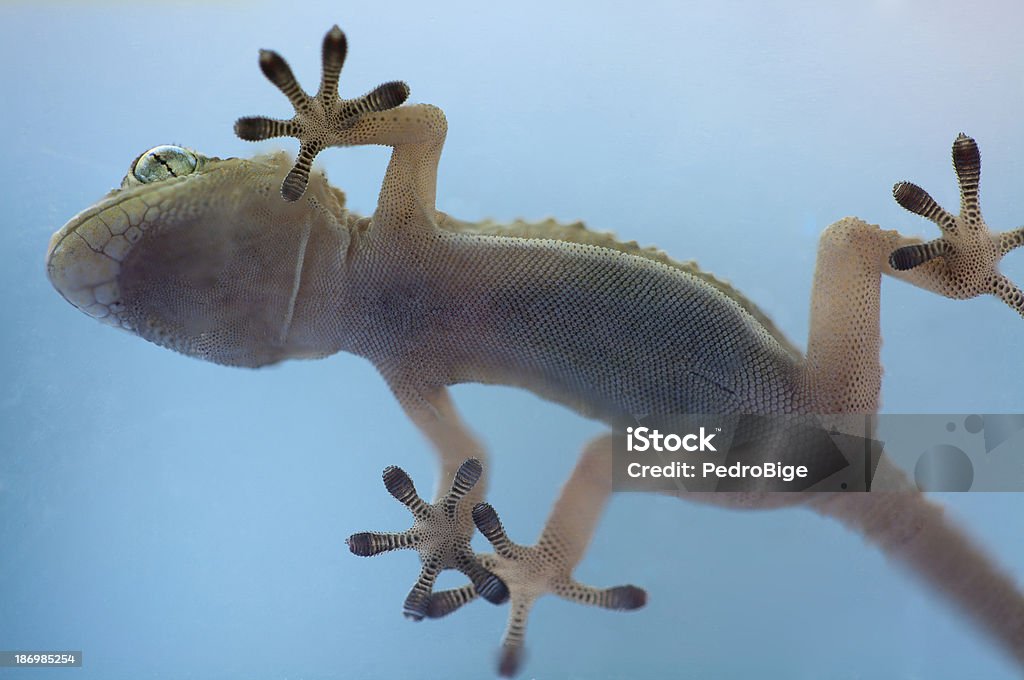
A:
x: 967, y: 165
x: 626, y: 598
x: 1007, y: 291
x: 259, y: 128
x: 415, y: 607
x: 399, y: 484
x: 444, y: 602
x: 361, y: 544
x: 335, y: 48
x: 486, y: 584
x: 909, y: 257
x: 487, y: 521
x: 492, y: 589
x: 1010, y: 240
x: 381, y: 98
x: 918, y: 201
x: 465, y: 479
x: 368, y: 544
x: 277, y: 71
x: 510, y: 658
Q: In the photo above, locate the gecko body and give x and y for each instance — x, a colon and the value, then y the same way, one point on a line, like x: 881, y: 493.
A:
x: 251, y: 262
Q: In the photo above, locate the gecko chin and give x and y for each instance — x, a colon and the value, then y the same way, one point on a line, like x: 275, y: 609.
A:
x: 219, y: 294
x: 209, y: 279
x: 203, y: 303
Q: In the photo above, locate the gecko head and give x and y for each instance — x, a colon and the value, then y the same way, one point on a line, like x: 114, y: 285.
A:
x: 198, y: 254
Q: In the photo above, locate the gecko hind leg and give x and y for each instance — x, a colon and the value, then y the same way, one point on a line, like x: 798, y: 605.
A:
x: 436, y: 536
x: 963, y: 262
x: 318, y: 119
x: 533, y: 571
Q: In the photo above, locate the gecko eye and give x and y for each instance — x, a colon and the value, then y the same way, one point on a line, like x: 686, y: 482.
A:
x: 162, y: 162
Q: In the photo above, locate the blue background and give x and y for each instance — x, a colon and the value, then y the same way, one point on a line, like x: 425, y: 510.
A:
x: 175, y: 519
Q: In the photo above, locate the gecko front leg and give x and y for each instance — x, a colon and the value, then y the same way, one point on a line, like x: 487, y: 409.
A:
x: 842, y: 372
x: 842, y: 375
x: 416, y: 133
x: 321, y: 120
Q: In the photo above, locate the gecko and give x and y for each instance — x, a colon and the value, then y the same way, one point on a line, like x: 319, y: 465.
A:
x: 249, y: 262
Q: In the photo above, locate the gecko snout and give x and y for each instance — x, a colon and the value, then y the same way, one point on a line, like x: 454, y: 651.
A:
x: 83, y: 261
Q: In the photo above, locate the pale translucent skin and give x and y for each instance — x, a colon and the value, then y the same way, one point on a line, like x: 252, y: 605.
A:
x: 215, y: 264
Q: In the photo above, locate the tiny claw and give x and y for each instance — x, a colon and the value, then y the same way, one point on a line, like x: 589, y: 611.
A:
x: 489, y: 524
x: 492, y: 589
x: 918, y: 201
x: 335, y: 48
x: 486, y: 519
x: 277, y: 71
x: 416, y: 606
x: 360, y: 544
x: 294, y: 185
x: 399, y: 484
x: 253, y: 128
x: 369, y: 543
x: 1007, y: 291
x: 626, y: 598
x: 1008, y: 240
x: 447, y: 601
x: 466, y: 477
x: 386, y: 96
x: 510, y: 658
x: 967, y: 162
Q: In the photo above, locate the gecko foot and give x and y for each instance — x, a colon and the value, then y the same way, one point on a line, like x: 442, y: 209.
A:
x: 963, y: 262
x: 529, y: 571
x: 320, y: 119
x: 437, y: 534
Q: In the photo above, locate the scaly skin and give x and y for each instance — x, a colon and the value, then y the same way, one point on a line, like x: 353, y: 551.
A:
x: 204, y: 256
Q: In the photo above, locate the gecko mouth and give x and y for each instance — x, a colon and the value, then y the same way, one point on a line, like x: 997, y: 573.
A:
x: 83, y: 260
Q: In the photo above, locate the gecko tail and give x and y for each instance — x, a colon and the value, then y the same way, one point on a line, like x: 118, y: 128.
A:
x: 914, y: 531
